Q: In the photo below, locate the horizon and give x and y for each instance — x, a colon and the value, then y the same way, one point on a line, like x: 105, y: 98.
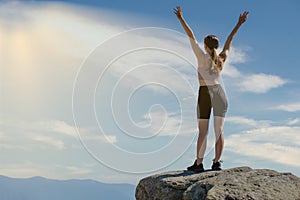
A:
x: 107, y: 90
x: 45, y: 178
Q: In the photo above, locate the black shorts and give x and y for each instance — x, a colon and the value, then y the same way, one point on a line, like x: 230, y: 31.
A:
x: 212, y: 96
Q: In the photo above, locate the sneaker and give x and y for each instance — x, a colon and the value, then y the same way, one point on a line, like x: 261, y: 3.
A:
x: 216, y: 165
x: 196, y: 168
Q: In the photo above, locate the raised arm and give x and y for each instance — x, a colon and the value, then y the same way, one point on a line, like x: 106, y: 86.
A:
x: 243, y: 17
x: 198, y: 52
x: 185, y: 26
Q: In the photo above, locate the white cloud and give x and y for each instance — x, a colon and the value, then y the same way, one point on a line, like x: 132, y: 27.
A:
x: 279, y: 144
x: 256, y: 83
x: 49, y: 141
x: 24, y: 170
x: 10, y: 140
x: 260, y: 83
x: 170, y: 69
x: 8, y: 146
x: 90, y: 133
x: 167, y: 124
x: 29, y: 169
x: 41, y: 126
x: 247, y: 121
x: 235, y: 56
x: 63, y: 127
x: 53, y: 133
x: 74, y: 170
x: 231, y: 71
x: 290, y: 107
x: 98, y: 137
x: 294, y: 121
x: 55, y: 126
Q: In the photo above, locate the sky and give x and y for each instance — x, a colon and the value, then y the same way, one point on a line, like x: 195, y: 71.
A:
x: 107, y: 90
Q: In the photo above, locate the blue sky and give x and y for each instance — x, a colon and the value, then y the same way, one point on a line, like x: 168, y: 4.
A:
x: 89, y: 90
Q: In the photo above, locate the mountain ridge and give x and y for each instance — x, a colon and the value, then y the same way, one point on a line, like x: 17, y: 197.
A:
x: 41, y: 188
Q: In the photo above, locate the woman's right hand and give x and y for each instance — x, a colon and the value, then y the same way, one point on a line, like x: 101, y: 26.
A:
x: 178, y: 12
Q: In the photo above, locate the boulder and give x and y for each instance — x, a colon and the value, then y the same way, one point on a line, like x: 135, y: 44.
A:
x: 230, y: 184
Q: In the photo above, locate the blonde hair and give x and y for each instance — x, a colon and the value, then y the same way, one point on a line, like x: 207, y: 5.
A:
x: 212, y: 42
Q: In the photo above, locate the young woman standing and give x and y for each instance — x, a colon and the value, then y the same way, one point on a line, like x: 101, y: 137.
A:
x: 211, y: 94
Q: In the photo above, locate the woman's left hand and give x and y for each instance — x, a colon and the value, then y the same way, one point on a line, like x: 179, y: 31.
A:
x: 243, y: 17
x: 178, y: 12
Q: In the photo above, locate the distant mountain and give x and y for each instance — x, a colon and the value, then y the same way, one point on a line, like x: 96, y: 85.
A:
x: 39, y: 188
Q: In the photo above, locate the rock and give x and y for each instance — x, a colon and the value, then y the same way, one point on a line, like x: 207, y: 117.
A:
x: 230, y: 184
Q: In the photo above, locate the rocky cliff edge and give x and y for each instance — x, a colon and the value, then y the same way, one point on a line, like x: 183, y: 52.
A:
x: 230, y: 184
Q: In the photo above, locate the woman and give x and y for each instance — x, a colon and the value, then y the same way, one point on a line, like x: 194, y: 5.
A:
x: 211, y: 94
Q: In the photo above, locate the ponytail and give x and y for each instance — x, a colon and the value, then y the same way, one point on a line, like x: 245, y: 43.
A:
x: 216, y: 64
x: 212, y: 43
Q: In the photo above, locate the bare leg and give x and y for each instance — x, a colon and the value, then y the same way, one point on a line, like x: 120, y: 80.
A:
x: 202, y: 139
x: 219, y: 135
